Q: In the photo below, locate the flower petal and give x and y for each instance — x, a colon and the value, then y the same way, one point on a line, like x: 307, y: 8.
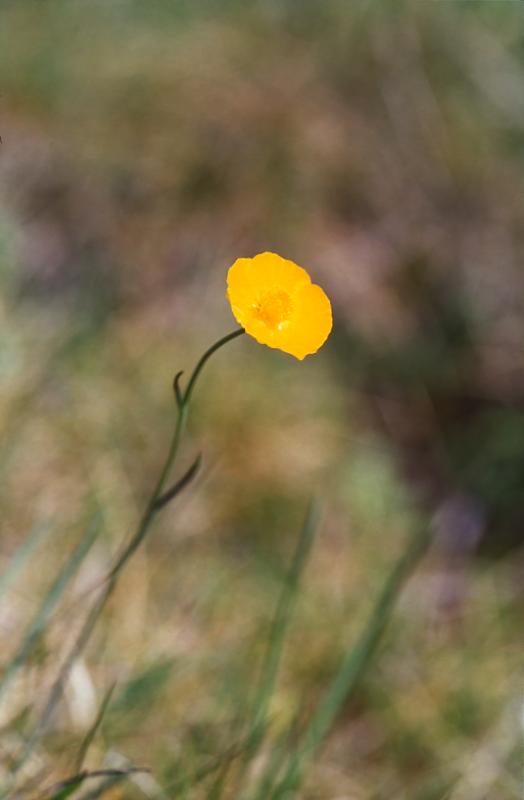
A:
x: 250, y: 277
x: 310, y: 324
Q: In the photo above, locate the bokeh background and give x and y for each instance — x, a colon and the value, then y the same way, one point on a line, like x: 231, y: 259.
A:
x: 146, y: 146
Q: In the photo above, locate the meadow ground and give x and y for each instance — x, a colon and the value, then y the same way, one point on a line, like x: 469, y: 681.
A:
x: 145, y: 146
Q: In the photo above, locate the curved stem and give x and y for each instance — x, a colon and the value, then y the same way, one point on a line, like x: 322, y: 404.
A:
x: 198, y: 369
x: 126, y: 553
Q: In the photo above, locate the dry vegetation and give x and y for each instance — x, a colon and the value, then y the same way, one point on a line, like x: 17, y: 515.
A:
x: 146, y: 146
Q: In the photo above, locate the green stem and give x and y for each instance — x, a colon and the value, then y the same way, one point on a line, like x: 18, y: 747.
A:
x: 127, y: 552
x: 198, y: 369
x: 183, y: 411
x: 150, y: 510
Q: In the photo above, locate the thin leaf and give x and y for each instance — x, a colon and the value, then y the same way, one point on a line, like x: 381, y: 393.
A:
x: 191, y: 780
x: 48, y: 606
x: 276, y: 761
x: 353, y: 666
x: 86, y: 743
x: 22, y: 555
x: 66, y: 791
x: 277, y: 638
x: 217, y: 788
x: 141, y: 691
x: 180, y: 485
x: 68, y: 786
x: 179, y: 394
x: 103, y: 788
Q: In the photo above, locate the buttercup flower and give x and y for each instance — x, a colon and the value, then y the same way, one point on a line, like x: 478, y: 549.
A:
x: 274, y: 300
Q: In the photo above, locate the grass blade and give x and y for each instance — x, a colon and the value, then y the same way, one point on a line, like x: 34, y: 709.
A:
x: 22, y: 555
x: 215, y: 793
x: 48, y: 606
x: 69, y: 786
x: 277, y: 637
x: 353, y: 665
x: 282, y: 617
x: 191, y: 780
x: 103, y: 788
x: 276, y: 761
x: 86, y: 743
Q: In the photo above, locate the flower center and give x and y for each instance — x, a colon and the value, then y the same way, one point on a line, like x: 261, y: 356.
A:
x: 274, y: 309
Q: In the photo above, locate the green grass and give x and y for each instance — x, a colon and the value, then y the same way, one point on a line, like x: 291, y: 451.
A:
x: 273, y: 738
x: 241, y: 652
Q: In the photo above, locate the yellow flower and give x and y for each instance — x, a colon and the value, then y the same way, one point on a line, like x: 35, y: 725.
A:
x: 274, y: 300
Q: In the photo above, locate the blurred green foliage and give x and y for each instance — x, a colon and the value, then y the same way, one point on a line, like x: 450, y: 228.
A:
x: 145, y: 146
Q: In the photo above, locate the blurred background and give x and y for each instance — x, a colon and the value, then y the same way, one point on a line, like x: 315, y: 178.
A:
x: 146, y: 146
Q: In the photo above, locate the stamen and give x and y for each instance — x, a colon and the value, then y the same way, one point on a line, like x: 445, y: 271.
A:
x: 274, y: 309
